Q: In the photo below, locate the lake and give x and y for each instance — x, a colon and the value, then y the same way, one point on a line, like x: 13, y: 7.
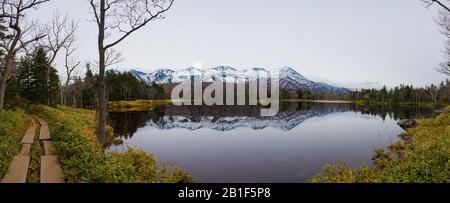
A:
x: 234, y: 144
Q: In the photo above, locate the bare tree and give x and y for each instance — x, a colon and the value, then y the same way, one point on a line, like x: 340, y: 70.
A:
x: 116, y: 21
x: 443, y: 21
x: 21, y: 36
x: 430, y: 3
x: 112, y: 57
x: 60, y: 34
x: 70, y: 65
x: 433, y: 93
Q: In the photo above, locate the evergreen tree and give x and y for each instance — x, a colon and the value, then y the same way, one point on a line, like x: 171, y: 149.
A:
x: 40, y: 71
x: 88, y: 90
x: 25, y: 79
x: 53, y: 91
x: 37, y: 80
x: 383, y: 94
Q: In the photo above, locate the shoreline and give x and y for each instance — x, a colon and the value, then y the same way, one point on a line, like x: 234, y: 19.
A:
x: 423, y: 148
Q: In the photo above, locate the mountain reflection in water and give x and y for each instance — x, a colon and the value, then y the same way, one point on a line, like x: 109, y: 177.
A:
x: 235, y: 144
x: 228, y: 118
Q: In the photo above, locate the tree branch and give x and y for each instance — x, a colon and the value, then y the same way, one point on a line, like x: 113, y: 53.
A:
x: 24, y: 44
x: 442, y: 5
x: 135, y: 26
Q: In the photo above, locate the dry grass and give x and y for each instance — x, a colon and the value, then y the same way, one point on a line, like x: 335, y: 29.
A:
x: 421, y: 157
x: 138, y: 105
x: 83, y: 159
x: 13, y: 125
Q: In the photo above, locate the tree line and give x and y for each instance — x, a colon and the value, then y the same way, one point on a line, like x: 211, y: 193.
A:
x: 399, y: 94
x: 116, y: 21
x: 31, y: 84
x: 30, y: 46
x: 406, y: 93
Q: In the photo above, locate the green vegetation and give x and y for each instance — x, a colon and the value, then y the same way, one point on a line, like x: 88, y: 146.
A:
x: 125, y: 86
x: 405, y: 94
x: 35, y: 161
x: 83, y: 159
x: 429, y: 105
x: 138, y: 105
x: 422, y: 156
x: 37, y: 80
x: 433, y: 96
x: 13, y: 125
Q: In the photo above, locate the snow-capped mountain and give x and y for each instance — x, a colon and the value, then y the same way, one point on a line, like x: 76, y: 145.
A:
x: 224, y: 119
x: 284, y: 121
x: 289, y: 78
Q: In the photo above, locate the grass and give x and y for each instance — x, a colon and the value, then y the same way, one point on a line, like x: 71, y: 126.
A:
x: 35, y: 161
x: 83, y: 159
x: 422, y: 156
x: 138, y: 105
x: 13, y: 125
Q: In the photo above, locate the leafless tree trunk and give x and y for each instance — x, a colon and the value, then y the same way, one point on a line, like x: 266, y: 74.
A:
x: 438, y: 2
x: 119, y: 19
x: 13, y: 12
x: 60, y: 34
x: 70, y: 66
x: 444, y: 22
x: 433, y: 93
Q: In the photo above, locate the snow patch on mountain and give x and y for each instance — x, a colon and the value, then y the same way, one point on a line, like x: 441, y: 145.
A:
x: 284, y: 121
x: 287, y: 76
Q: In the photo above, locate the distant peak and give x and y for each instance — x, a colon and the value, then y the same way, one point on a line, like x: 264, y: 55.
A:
x: 289, y: 77
x: 288, y: 69
x: 164, y: 70
x: 259, y: 69
x: 291, y: 71
x: 225, y: 68
x: 136, y: 71
x: 193, y: 69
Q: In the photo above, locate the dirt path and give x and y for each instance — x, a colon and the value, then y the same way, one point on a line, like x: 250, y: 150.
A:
x: 50, y: 169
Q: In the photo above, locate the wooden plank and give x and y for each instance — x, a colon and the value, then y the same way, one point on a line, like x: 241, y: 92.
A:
x: 48, y: 148
x: 29, y: 135
x: 44, y: 133
x: 26, y: 149
x: 51, y: 170
x: 18, y: 170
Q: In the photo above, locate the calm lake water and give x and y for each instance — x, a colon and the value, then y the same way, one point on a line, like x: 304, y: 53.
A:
x: 234, y: 144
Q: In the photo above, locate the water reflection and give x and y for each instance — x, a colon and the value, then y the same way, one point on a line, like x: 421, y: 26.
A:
x: 235, y: 144
x: 227, y: 118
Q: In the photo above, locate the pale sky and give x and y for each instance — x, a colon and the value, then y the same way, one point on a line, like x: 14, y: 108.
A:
x: 345, y: 41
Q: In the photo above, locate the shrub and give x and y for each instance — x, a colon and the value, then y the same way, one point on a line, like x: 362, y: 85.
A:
x: 83, y: 159
x: 423, y: 157
x: 13, y: 125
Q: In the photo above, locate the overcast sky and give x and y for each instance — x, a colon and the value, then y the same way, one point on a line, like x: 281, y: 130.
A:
x: 345, y: 41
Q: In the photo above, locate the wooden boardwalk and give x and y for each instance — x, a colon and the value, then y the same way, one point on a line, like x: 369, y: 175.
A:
x: 44, y: 133
x: 29, y: 134
x: 18, y: 170
x: 50, y: 170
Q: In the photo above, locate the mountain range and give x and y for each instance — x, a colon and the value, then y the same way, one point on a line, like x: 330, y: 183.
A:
x: 284, y: 121
x: 289, y: 78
